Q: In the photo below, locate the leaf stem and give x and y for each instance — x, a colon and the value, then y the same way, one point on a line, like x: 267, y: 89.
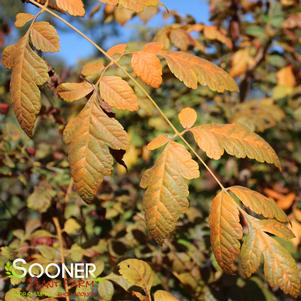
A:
x: 142, y: 89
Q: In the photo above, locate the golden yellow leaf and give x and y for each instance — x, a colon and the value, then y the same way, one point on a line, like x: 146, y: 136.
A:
x: 118, y: 93
x: 74, y: 91
x: 135, y: 5
x: 29, y: 71
x: 286, y: 77
x: 259, y: 203
x: 88, y: 138
x: 274, y: 227
x: 22, y: 19
x: 44, y: 37
x: 192, y: 70
x: 92, y: 68
x: 166, y: 186
x: 8, y: 56
x: 226, y: 231
x: 236, y: 140
x: 161, y: 295
x: 280, y: 269
x: 137, y: 272
x: 187, y: 117
x: 72, y: 7
x: 157, y: 142
x: 72, y: 226
x: 147, y: 65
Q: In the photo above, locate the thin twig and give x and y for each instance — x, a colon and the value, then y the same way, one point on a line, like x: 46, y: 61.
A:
x: 61, y: 244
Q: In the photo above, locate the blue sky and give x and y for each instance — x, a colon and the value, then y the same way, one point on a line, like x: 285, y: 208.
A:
x: 72, y: 53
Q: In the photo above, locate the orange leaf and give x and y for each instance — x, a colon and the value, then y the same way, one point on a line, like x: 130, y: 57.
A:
x: 22, y: 19
x: 226, y: 231
x: 157, y: 142
x: 192, y: 70
x: 187, y: 117
x: 118, y: 93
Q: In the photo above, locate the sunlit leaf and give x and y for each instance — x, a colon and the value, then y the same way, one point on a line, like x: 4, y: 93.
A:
x: 147, y: 65
x: 44, y: 37
x: 187, y: 117
x: 137, y: 272
x: 236, y: 140
x: 225, y: 231
x: 29, y: 71
x: 166, y: 186
x: 74, y: 91
x: 259, y: 203
x: 118, y: 93
x: 280, y: 268
x: 89, y: 137
x: 22, y: 19
x: 192, y: 70
x: 157, y: 142
x: 161, y: 295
